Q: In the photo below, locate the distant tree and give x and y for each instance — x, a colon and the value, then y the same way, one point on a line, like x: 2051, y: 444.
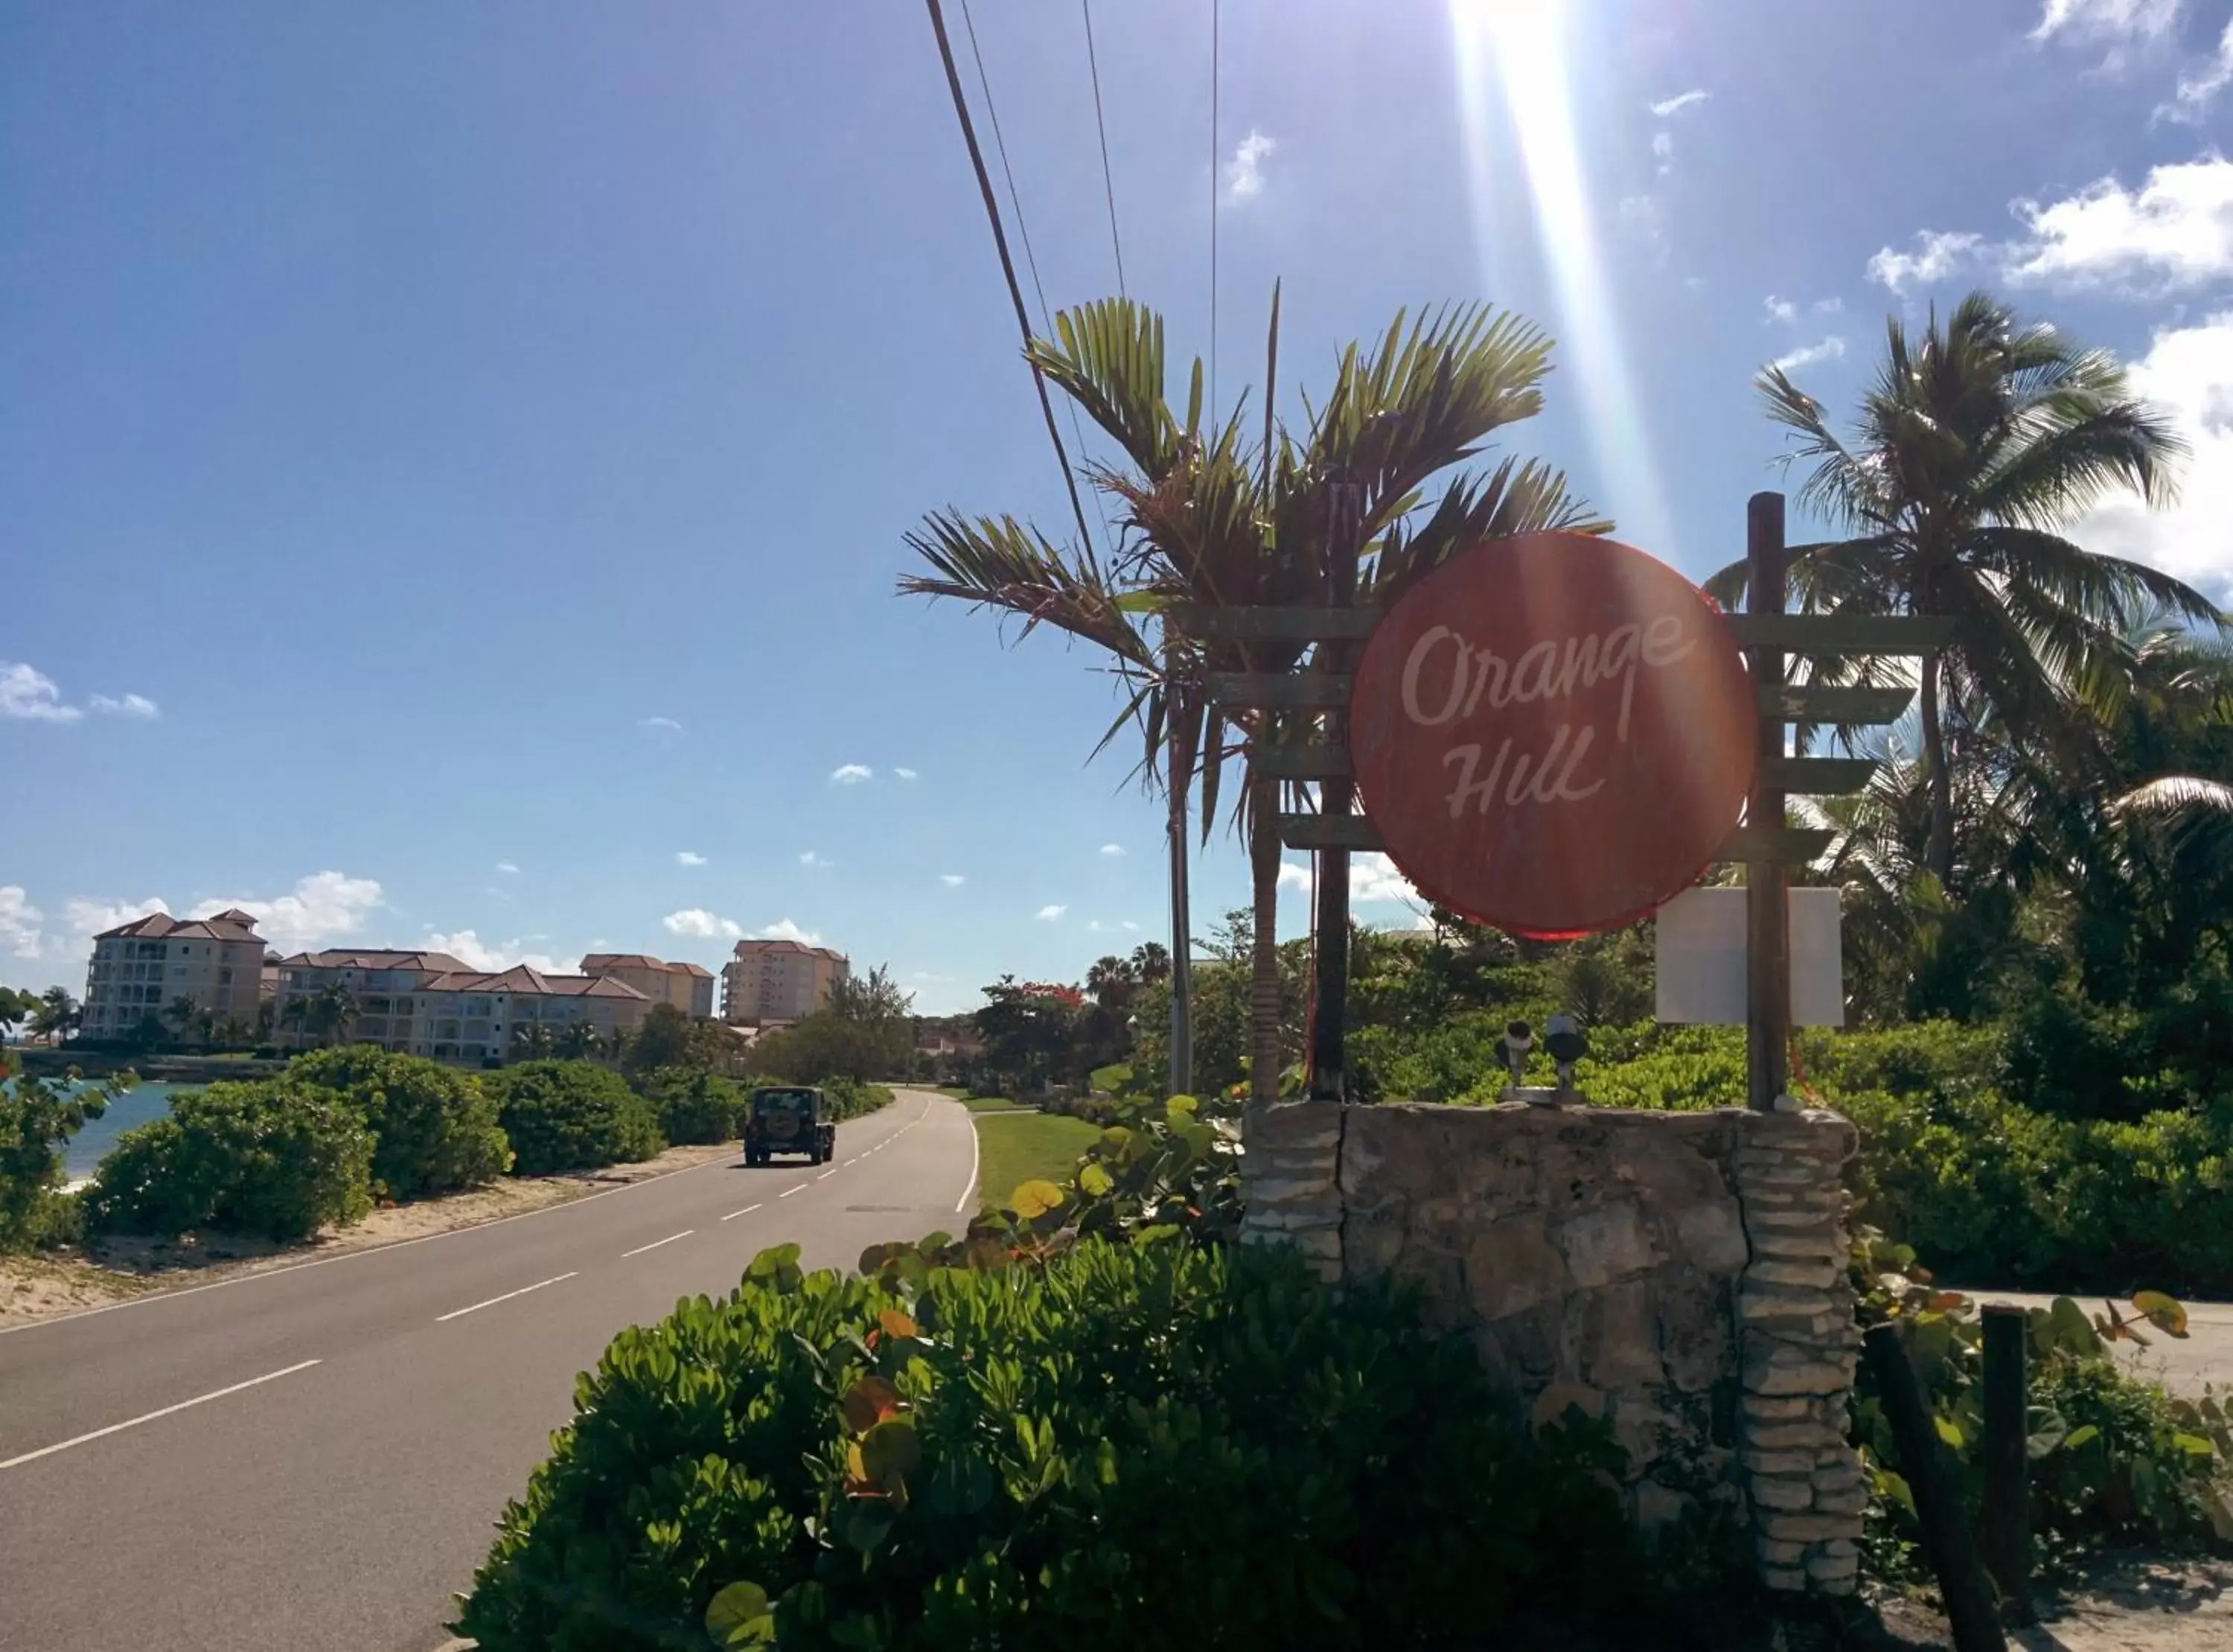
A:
x: 265, y: 1014
x: 533, y: 1041
x: 57, y: 1016
x: 872, y: 997
x: 660, y: 1039
x: 185, y: 1011
x: 1030, y: 1030
x: 234, y: 1031
x: 331, y: 1012
x: 1151, y: 962
x: 150, y: 1031
x: 579, y: 1041
x: 15, y: 1008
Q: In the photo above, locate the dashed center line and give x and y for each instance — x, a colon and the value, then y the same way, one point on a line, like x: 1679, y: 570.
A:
x: 655, y: 1244
x: 118, y: 1427
x: 734, y: 1214
x: 455, y: 1313
x: 856, y: 1159
x: 826, y: 1175
x: 801, y: 1188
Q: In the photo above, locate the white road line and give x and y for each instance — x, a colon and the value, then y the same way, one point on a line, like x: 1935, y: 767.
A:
x: 855, y: 1160
x: 457, y: 1313
x: 801, y: 1188
x: 350, y: 1256
x: 734, y: 1214
x: 118, y: 1427
x: 826, y: 1175
x: 970, y: 1187
x: 655, y: 1244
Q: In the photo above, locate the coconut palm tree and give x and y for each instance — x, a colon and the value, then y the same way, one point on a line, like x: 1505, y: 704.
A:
x: 57, y: 1016
x: 1210, y: 517
x: 578, y: 1041
x: 533, y: 1041
x: 1978, y: 445
x: 330, y: 1012
x: 181, y: 1014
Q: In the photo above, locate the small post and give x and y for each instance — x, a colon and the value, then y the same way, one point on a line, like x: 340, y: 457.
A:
x: 1946, y: 1541
x: 2006, y: 1535
x: 1329, y: 1013
x: 1767, y: 963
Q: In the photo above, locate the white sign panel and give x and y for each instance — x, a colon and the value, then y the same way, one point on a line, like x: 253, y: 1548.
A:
x: 1702, y: 958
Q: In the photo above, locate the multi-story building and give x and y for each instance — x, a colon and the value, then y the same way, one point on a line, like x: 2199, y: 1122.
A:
x: 688, y: 988
x: 142, y: 968
x: 431, y: 1004
x: 779, y: 980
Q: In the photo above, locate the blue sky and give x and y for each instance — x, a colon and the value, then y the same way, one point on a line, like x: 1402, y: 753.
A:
x: 458, y: 455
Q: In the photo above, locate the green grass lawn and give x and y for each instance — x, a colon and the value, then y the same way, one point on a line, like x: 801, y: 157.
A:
x: 987, y: 1103
x: 1016, y: 1148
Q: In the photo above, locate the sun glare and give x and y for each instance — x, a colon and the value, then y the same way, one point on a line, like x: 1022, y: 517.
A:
x: 1512, y: 55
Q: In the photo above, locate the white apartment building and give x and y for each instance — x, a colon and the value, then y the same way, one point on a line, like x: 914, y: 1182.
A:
x: 431, y: 1004
x: 779, y: 980
x: 143, y: 967
x: 688, y: 988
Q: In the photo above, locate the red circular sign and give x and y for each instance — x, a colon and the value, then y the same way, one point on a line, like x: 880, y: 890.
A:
x: 1555, y: 733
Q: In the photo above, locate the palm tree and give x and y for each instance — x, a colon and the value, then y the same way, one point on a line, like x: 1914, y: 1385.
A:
x: 1210, y: 519
x: 578, y: 1041
x: 57, y: 1016
x: 533, y: 1041
x: 1151, y: 962
x: 330, y: 1012
x: 1977, y: 445
x: 181, y: 1014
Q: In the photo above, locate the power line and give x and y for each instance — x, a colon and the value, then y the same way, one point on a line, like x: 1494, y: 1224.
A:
x: 1007, y: 263
x: 1024, y: 234
x: 1108, y: 179
x: 1215, y: 31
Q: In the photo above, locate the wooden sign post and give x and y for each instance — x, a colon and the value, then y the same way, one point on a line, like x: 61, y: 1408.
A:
x: 1554, y: 734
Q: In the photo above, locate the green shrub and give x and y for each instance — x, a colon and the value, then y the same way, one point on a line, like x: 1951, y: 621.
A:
x: 37, y: 1119
x: 2113, y: 1460
x: 1134, y: 1448
x: 277, y: 1158
x: 433, y: 1129
x: 696, y: 1106
x: 850, y: 1098
x: 572, y: 1116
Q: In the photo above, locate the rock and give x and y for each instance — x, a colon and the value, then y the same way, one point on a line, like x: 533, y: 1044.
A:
x: 1713, y: 1237
x: 1773, y: 1553
x: 1851, y: 1501
x: 1622, y: 1345
x: 1800, y: 1434
x: 1792, y: 1464
x: 1782, y: 1494
x: 1511, y: 1266
x: 1658, y: 1505
x: 1817, y: 1274
x: 1551, y: 1404
x: 1788, y: 1527
x: 1787, y: 1579
x: 1797, y: 1375
x: 1606, y: 1244
x: 1799, y: 1247
x: 1829, y: 1568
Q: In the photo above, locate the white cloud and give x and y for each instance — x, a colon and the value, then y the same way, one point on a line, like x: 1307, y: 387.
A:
x: 1094, y: 925
x: 125, y: 706
x: 1831, y: 306
x: 696, y: 920
x: 2196, y: 94
x: 86, y: 918
x: 2176, y: 231
x: 905, y: 774
x: 1244, y: 174
x: 2115, y: 20
x: 851, y: 774
x: 1679, y: 102
x: 320, y: 908
x: 1128, y: 924
x: 1807, y: 355
x: 1781, y: 309
x: 660, y: 724
x: 30, y: 695
x: 19, y: 921
x: 2188, y: 372
x: 1373, y: 880
x: 1113, y: 850
x: 816, y: 862
x: 783, y: 929
x: 1937, y: 254
x: 1640, y: 215
x: 508, y: 868
x: 688, y: 857
x: 1663, y: 145
x: 952, y: 880
x: 1049, y: 912
x: 470, y: 950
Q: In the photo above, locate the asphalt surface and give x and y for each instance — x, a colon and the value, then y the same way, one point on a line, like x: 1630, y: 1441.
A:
x: 382, y: 1406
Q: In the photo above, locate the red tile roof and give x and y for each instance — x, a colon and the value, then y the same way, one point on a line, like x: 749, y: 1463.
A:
x: 594, y: 962
x: 160, y: 926
x: 525, y: 981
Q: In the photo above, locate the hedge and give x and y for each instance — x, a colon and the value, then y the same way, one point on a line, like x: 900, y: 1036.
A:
x: 434, y: 1129
x: 572, y: 1116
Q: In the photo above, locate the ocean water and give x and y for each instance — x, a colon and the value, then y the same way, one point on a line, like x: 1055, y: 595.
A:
x: 144, y: 1102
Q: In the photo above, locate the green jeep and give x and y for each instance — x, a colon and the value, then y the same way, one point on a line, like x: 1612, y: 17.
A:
x: 789, y: 1118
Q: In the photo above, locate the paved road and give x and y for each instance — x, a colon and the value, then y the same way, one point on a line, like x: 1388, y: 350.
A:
x: 314, y: 1458
x: 2184, y: 1365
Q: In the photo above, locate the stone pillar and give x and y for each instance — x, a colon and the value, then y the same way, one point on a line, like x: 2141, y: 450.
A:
x: 1799, y: 1343
x: 1290, y: 1160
